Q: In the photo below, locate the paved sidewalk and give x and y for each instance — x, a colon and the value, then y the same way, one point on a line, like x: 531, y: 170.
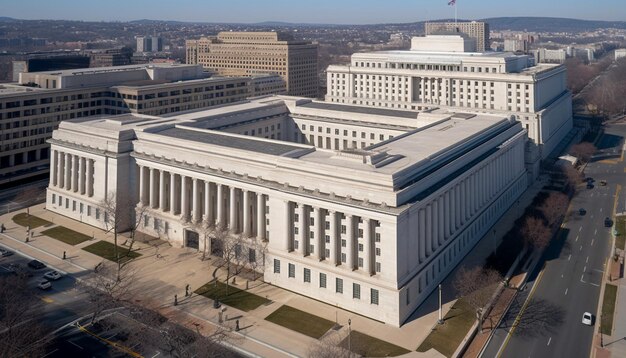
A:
x: 615, y: 343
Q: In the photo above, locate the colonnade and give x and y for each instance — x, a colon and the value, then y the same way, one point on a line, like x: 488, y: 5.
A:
x: 71, y: 172
x: 202, y: 201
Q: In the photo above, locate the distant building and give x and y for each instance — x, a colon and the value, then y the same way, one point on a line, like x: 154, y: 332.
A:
x: 543, y: 55
x: 516, y: 45
x: 49, y: 62
x: 149, y: 44
x: 251, y: 53
x: 477, y: 30
x: 112, y: 57
x: 427, y: 77
x: 585, y: 54
x: 29, y: 114
x: 620, y: 53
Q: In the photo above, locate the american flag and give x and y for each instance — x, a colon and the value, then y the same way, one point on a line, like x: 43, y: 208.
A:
x: 452, y: 2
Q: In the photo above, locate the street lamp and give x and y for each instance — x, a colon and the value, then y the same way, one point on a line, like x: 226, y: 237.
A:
x: 350, y: 335
x: 440, y: 320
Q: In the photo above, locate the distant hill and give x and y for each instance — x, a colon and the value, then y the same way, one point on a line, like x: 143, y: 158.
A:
x: 7, y: 19
x: 549, y: 24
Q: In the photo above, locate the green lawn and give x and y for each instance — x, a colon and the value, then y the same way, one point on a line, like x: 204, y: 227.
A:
x: 300, y: 321
x: 608, y: 308
x: 29, y: 220
x: 105, y: 249
x: 620, y: 226
x: 446, y: 338
x: 66, y: 235
x: 236, y: 298
x: 368, y: 346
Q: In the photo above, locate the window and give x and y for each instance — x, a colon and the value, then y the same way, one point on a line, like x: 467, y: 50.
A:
x: 97, y: 214
x: 322, y: 280
x: 360, y: 247
x: 360, y: 262
x: 73, y: 205
x: 251, y: 255
x: 338, y: 285
x: 343, y: 257
x: 296, y: 217
x: 54, y: 198
x: 292, y: 270
x: 374, y: 296
x: 378, y: 251
x: 356, y: 291
x: 378, y: 267
x: 327, y: 239
x: 307, y: 275
x: 276, y: 266
x: 343, y: 243
x: 146, y: 220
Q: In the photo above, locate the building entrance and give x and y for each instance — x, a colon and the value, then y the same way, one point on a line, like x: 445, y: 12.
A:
x: 193, y: 239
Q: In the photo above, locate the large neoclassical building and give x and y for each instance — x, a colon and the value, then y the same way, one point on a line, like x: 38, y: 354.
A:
x: 366, y: 209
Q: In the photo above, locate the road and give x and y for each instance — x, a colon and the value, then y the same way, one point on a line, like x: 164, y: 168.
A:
x: 569, y: 283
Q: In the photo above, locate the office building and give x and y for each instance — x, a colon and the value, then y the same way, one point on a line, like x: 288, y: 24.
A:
x: 544, y: 55
x: 477, y: 30
x: 251, y: 53
x: 426, y: 77
x: 366, y: 209
x: 29, y: 114
x: 111, y: 57
x: 49, y: 62
x: 149, y: 44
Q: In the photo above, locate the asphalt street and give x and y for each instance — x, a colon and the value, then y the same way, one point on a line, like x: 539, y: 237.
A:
x: 550, y: 308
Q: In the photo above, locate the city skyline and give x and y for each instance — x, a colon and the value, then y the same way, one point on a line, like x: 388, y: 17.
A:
x: 320, y: 12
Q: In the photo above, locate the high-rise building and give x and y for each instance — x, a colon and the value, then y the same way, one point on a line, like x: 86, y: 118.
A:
x: 366, y: 209
x: 111, y: 57
x: 149, y: 44
x: 494, y: 82
x: 29, y: 114
x: 251, y: 53
x: 477, y: 30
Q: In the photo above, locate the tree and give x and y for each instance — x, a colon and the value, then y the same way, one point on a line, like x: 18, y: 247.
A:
x: 583, y: 151
x: 229, y: 247
x: 21, y: 333
x: 474, y: 286
x: 258, y: 260
x: 554, y: 207
x: 120, y: 215
x: 535, y: 233
x: 572, y: 176
x: 109, y: 288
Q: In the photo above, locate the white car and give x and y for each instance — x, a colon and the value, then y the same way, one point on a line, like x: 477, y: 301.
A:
x: 44, y: 284
x: 587, y: 318
x: 52, y: 275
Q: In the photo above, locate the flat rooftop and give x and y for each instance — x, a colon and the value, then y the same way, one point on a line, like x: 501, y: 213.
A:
x: 94, y: 70
x: 360, y: 110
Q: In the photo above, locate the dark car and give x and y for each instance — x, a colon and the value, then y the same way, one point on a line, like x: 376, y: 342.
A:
x: 582, y: 211
x: 608, y: 222
x: 5, y: 252
x: 19, y: 270
x: 37, y: 265
x: 589, y: 185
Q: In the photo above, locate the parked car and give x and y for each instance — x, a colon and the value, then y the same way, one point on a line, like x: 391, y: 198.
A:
x: 52, y: 275
x: 587, y: 319
x: 44, y: 284
x: 35, y: 264
x: 19, y: 269
x: 608, y: 222
x: 589, y: 185
x: 582, y: 211
x: 602, y: 182
x: 5, y: 252
x: 589, y: 180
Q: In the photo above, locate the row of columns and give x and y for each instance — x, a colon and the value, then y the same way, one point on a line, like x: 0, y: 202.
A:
x: 320, y: 216
x: 445, y: 214
x: 201, y: 201
x: 71, y: 172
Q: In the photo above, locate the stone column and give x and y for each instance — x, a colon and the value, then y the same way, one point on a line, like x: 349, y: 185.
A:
x: 351, y: 243
x: 152, y: 190
x: 334, y: 244
x: 220, y: 206
x: 53, y: 167
x: 81, y: 176
x: 421, y: 236
x: 162, y: 197
x: 173, y: 204
x: 260, y: 216
x: 302, y: 230
x: 75, y: 160
x: 90, y: 174
x: 318, y: 231
x: 429, y: 230
x: 195, y: 203
x: 368, y: 247
x: 68, y: 171
x: 287, y: 243
x: 233, y: 210
x: 208, y: 208
x: 246, y: 213
x: 184, y: 199
x: 60, y: 170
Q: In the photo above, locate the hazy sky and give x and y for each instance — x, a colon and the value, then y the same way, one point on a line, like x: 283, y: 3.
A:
x: 307, y: 11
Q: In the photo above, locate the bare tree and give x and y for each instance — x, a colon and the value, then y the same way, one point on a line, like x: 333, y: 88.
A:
x: 535, y: 233
x: 583, y: 151
x: 474, y: 286
x: 206, y: 231
x: 572, y: 176
x: 229, y: 247
x: 554, y: 207
x: 108, y: 288
x: 119, y: 216
x: 257, y: 261
x: 21, y: 333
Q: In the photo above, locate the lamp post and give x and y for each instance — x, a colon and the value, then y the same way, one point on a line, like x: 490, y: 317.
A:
x: 350, y: 335
x: 440, y: 320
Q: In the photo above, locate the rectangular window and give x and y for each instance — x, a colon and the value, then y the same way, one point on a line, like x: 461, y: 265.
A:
x: 360, y: 247
x: 378, y: 267
x: 356, y: 291
x: 97, y: 214
x: 360, y: 262
x: 378, y: 251
x: 307, y: 275
x: 54, y: 197
x: 73, y: 205
x: 322, y: 280
x: 343, y: 243
x: 338, y: 285
x: 374, y: 296
x: 292, y: 270
x: 276, y: 266
x: 343, y: 257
